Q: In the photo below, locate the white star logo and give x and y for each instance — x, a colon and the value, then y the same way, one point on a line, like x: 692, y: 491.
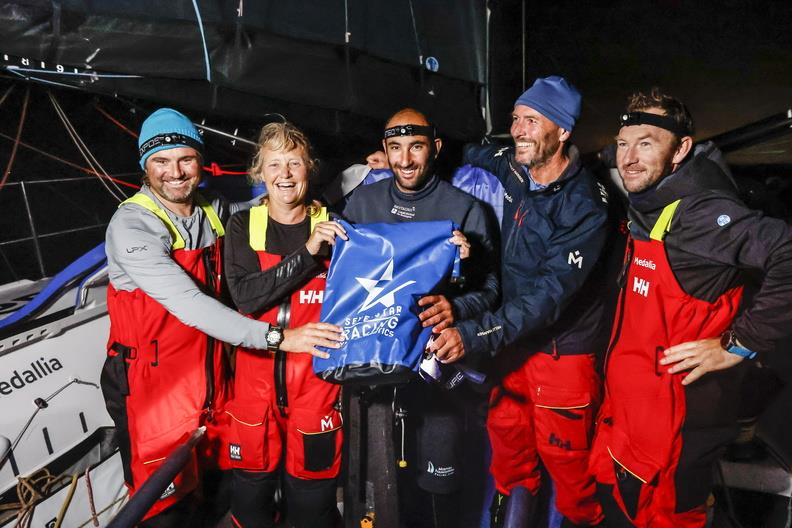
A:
x: 376, y: 286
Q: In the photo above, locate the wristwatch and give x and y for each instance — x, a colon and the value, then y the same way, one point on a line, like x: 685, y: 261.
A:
x: 274, y: 338
x: 729, y: 344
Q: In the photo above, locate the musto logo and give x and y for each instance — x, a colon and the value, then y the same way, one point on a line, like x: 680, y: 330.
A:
x: 381, y: 300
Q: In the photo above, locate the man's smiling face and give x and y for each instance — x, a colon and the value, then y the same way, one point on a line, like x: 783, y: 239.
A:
x: 644, y: 154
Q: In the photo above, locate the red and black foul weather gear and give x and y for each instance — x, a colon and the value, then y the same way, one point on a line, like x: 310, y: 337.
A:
x: 657, y: 439
x: 281, y: 410
x: 545, y: 409
x: 163, y: 379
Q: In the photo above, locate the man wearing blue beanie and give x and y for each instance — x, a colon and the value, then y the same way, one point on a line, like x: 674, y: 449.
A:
x: 550, y: 325
x: 164, y: 374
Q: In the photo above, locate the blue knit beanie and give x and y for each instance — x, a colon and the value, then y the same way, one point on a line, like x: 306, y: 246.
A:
x: 554, y: 98
x: 166, y: 129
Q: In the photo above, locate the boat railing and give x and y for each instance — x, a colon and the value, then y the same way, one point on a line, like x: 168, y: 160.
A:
x: 67, y: 278
x: 36, y: 237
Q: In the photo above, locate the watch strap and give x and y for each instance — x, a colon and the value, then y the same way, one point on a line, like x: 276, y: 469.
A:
x: 741, y: 351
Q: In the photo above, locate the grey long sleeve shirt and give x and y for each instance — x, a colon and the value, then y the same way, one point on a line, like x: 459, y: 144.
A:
x: 138, y: 247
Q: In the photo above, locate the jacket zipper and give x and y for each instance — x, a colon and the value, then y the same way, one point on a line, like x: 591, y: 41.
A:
x: 622, y: 283
x: 210, y: 341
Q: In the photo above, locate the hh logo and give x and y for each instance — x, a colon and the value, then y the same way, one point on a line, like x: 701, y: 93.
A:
x: 641, y: 286
x: 563, y: 444
x: 575, y: 258
x: 235, y: 451
x: 311, y: 297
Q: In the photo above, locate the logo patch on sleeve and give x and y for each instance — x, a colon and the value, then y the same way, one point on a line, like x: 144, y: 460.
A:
x: 170, y: 490
x: 235, y: 451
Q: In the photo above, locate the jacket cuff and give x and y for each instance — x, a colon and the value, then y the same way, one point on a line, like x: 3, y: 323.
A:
x: 473, y: 349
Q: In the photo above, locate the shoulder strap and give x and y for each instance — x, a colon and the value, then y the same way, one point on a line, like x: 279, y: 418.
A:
x: 259, y: 216
x: 178, y: 242
x: 663, y: 224
x: 211, y: 214
x: 147, y: 203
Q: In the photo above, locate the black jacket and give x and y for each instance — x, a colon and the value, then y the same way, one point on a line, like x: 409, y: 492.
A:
x: 552, y: 297
x: 715, y: 241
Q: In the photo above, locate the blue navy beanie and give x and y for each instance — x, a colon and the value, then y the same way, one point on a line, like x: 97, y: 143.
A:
x: 554, y: 98
x: 166, y: 129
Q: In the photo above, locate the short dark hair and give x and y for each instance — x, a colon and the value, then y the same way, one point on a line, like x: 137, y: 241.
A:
x: 671, y: 106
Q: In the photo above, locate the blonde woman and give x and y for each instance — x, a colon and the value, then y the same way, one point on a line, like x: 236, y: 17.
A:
x: 277, y: 256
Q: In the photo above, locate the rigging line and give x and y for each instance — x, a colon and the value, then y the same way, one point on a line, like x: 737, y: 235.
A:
x: 78, y: 74
x: 232, y: 136
x: 10, y: 89
x: 85, y: 151
x: 68, y: 163
x: 115, y: 121
x: 523, y: 45
x: 22, y: 116
x: 415, y: 32
x: 81, y: 147
x: 78, y: 143
x: 203, y: 41
x: 45, y: 81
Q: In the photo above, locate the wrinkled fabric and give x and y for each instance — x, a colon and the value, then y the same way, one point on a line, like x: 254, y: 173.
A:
x: 375, y: 280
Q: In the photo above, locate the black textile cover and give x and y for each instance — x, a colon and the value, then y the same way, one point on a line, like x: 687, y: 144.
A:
x: 264, y: 56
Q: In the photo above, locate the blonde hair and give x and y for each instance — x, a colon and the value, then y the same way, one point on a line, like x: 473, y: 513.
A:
x: 281, y: 136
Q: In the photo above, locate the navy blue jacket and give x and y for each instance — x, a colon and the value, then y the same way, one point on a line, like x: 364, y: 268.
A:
x: 552, y: 243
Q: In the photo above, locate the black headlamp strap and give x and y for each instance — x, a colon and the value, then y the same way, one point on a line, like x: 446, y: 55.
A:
x: 410, y: 130
x: 172, y: 138
x: 660, y: 121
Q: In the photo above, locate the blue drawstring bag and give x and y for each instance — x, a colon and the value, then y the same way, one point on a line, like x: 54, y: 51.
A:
x: 373, y: 286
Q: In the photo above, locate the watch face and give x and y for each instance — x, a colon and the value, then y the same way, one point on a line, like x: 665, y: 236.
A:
x: 274, y: 336
x: 727, y: 340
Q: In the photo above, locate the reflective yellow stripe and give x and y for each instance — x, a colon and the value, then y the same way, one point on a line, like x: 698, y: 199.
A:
x: 146, y: 202
x: 259, y: 217
x: 243, y: 423
x: 624, y: 468
x: 554, y: 407
x: 210, y: 213
x: 152, y: 461
x: 258, y: 227
x: 663, y: 224
x: 321, y: 216
x: 178, y: 242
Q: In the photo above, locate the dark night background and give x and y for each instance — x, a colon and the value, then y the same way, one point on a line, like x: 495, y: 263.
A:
x: 730, y: 61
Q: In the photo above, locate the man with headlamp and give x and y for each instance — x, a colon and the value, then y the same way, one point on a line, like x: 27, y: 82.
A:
x: 681, y: 335
x: 415, y: 194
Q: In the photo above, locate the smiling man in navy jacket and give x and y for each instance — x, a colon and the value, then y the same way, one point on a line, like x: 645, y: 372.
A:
x: 547, y: 329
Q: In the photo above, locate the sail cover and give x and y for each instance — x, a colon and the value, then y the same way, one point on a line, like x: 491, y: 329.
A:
x: 325, y: 63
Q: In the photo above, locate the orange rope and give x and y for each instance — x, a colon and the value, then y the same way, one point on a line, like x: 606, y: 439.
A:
x: 114, y: 121
x: 69, y: 163
x: 215, y: 170
x: 16, y: 141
